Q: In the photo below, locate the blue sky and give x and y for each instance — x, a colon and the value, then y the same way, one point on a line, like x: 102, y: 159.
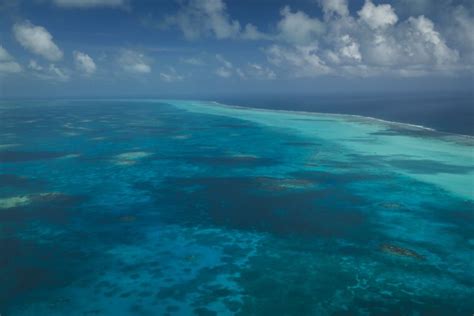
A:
x: 205, y: 47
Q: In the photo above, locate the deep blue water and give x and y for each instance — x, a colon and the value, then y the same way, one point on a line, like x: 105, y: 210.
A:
x: 143, y: 208
x: 451, y: 112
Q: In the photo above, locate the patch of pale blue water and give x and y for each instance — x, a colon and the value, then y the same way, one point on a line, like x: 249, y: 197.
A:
x: 132, y: 207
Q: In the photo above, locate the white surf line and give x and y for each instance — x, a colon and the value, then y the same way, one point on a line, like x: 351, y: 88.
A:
x: 371, y: 118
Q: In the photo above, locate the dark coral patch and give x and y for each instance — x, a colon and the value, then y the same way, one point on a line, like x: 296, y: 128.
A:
x: 54, y: 208
x: 244, y: 203
x: 127, y: 218
x: 27, y: 267
x: 202, y: 311
x: 229, y: 161
x: 400, y: 251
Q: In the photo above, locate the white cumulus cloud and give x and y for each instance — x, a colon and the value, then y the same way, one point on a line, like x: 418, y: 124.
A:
x: 8, y: 63
x: 37, y: 40
x: 373, y: 42
x: 261, y: 72
x: 350, y: 49
x: 425, y: 38
x: 227, y: 69
x: 33, y: 64
x: 223, y: 72
x: 57, y: 73
x: 224, y: 61
x: 334, y: 7
x: 4, y: 55
x: 84, y: 63
x: 9, y: 67
x: 297, y: 27
x: 134, y: 62
x: 52, y: 72
x: 210, y: 18
x: 300, y: 61
x: 198, y: 18
x: 377, y: 16
x: 171, y: 75
x: 250, y: 32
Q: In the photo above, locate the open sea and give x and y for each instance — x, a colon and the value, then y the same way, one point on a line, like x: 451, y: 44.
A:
x: 449, y: 112
x: 173, y: 207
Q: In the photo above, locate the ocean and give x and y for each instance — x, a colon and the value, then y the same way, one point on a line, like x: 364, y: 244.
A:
x: 183, y: 207
x: 450, y: 112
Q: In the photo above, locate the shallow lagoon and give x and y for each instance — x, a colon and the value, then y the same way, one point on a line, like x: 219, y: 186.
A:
x: 131, y: 207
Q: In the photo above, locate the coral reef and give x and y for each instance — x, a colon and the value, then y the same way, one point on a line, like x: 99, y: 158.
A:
x: 399, y: 251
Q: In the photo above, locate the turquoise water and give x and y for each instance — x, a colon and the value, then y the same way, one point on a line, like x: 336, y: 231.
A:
x: 132, y: 207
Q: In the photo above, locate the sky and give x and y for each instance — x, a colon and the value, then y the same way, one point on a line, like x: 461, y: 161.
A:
x: 133, y: 48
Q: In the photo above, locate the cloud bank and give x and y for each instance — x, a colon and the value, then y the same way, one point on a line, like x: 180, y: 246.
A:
x: 203, y: 18
x: 372, y: 41
x: 404, y: 38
